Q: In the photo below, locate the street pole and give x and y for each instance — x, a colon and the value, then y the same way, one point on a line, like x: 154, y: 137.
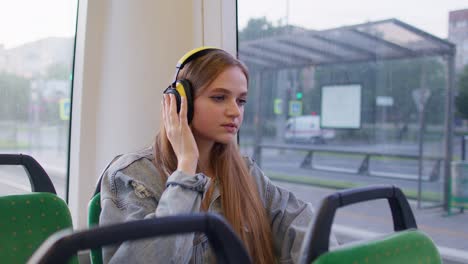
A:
x: 257, y: 155
x: 420, y: 151
x: 448, y: 126
x: 463, y: 145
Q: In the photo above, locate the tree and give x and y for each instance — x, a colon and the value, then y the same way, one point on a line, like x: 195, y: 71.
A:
x: 262, y: 28
x: 14, y: 97
x: 58, y: 71
x: 461, y: 101
x: 395, y: 78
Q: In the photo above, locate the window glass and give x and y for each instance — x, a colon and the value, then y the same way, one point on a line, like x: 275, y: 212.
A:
x: 345, y: 94
x: 36, y: 62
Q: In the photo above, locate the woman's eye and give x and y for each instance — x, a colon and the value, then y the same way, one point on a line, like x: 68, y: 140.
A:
x: 218, y: 98
x: 241, y: 102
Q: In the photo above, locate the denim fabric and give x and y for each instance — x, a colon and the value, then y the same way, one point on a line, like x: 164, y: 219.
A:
x: 132, y: 189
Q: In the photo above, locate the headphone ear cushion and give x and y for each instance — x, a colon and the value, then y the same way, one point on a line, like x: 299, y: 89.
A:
x: 171, y: 90
x: 184, y: 87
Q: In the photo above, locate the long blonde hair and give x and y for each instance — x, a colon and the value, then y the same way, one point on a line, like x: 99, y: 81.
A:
x: 240, y: 198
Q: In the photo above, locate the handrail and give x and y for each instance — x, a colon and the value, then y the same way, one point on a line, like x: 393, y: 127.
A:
x: 363, y: 168
x: 228, y: 248
x: 316, y: 241
x: 40, y: 181
x: 346, y: 151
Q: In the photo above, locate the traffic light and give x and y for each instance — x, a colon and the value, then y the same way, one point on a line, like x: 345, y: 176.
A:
x: 299, y: 95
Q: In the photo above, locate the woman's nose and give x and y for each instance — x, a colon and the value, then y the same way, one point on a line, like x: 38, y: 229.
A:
x: 233, y: 109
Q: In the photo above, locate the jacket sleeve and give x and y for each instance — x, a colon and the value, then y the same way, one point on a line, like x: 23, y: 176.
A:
x: 125, y: 198
x: 289, y: 217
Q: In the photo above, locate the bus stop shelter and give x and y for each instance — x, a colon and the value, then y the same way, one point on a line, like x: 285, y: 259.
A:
x: 374, y: 41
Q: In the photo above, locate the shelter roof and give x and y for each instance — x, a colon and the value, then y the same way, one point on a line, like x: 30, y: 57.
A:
x: 380, y: 40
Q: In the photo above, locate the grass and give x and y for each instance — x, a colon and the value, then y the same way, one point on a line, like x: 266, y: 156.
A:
x: 336, y: 184
x: 8, y: 144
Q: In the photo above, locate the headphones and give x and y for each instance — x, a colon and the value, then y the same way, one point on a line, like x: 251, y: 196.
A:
x: 183, y: 88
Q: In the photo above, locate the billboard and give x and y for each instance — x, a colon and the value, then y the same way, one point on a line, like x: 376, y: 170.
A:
x: 341, y: 106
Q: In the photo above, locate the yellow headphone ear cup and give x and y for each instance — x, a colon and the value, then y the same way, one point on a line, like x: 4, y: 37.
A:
x: 184, y: 89
x: 180, y: 89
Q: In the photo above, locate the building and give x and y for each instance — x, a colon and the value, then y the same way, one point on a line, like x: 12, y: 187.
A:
x: 458, y: 34
x: 33, y: 59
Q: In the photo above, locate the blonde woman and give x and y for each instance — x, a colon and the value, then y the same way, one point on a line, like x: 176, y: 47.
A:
x: 195, y: 166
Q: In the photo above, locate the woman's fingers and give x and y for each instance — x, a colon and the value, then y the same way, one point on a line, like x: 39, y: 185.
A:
x: 172, y: 109
x: 179, y: 133
x: 174, y: 122
x: 163, y: 109
x: 167, y: 116
x: 183, y: 111
x: 172, y: 118
x: 166, y: 108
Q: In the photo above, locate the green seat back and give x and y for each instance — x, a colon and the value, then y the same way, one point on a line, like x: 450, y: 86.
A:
x: 26, y: 221
x: 94, y: 210
x: 409, y: 246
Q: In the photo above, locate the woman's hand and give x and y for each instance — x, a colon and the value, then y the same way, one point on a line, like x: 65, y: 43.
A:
x: 179, y: 134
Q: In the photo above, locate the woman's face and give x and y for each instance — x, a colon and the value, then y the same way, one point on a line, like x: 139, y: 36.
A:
x: 219, y: 108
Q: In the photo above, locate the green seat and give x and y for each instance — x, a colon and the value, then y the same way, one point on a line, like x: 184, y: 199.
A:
x: 94, y: 211
x: 411, y: 246
x: 27, y: 220
x: 406, y: 245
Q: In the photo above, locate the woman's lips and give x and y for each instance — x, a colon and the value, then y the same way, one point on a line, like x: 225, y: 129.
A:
x: 230, y: 127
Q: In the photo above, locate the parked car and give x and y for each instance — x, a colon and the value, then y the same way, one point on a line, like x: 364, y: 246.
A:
x: 307, y: 129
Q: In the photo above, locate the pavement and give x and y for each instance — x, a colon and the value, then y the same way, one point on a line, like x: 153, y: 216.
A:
x: 14, y: 180
x: 372, y: 219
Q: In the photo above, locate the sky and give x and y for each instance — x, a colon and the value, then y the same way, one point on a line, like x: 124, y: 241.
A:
x: 428, y: 15
x: 23, y: 21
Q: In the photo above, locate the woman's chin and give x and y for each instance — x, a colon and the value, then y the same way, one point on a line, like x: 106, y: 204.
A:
x: 226, y: 139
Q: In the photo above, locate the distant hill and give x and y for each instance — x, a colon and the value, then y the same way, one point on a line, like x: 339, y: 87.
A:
x: 34, y: 58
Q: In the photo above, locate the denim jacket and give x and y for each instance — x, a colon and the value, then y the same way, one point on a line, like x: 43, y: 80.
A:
x: 132, y: 189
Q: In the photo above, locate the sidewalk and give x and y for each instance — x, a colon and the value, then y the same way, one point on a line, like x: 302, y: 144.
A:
x: 53, y: 161
x: 370, y: 219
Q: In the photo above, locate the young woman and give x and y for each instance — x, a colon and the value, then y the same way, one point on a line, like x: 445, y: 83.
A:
x: 197, y: 167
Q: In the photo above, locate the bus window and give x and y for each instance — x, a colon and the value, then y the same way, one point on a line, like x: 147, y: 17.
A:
x: 36, y: 62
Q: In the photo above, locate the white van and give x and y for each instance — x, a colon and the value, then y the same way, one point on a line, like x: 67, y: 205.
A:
x: 307, y: 129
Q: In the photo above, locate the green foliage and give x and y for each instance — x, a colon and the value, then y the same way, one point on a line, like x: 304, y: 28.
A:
x: 399, y: 79
x: 395, y: 78
x: 461, y: 101
x: 58, y: 71
x: 258, y: 28
x: 51, y: 113
x: 14, y: 97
